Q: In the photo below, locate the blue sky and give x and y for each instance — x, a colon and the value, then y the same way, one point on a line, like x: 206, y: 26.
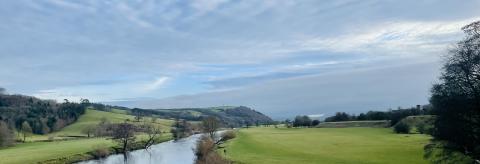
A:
x: 280, y: 57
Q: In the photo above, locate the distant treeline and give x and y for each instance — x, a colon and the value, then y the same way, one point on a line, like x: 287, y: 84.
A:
x: 393, y: 115
x: 43, y: 116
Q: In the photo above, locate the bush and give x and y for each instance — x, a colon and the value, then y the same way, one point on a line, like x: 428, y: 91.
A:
x: 401, y: 127
x: 51, y: 138
x: 101, y: 151
x: 228, y: 135
x: 206, y: 153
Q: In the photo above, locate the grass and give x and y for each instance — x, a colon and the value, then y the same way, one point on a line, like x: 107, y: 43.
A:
x: 34, y: 152
x: 325, y: 145
x: 93, y: 117
x: 63, y: 151
x: 344, y: 124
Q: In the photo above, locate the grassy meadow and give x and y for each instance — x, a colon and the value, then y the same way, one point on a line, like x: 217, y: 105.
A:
x: 325, y: 145
x: 34, y: 152
x: 38, y: 150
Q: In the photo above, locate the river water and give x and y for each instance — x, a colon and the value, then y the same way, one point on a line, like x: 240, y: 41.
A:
x: 171, y: 152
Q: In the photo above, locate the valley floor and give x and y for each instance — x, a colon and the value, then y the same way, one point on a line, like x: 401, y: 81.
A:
x: 325, y: 145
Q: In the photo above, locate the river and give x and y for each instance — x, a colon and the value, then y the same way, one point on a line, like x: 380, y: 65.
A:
x: 171, y: 152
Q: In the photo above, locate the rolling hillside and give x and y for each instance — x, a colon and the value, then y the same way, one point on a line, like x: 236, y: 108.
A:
x: 230, y: 116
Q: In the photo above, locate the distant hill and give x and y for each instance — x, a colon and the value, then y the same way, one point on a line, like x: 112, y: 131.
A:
x: 230, y: 116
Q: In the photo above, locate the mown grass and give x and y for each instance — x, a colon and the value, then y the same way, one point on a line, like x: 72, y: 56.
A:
x: 34, y: 152
x: 325, y: 145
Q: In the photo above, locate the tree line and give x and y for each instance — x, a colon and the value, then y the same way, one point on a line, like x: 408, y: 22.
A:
x: 30, y: 115
x: 393, y: 115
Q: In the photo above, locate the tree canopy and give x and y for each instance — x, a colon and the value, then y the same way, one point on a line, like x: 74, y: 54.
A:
x: 456, y: 99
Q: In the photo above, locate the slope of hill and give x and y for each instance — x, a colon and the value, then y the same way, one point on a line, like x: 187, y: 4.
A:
x: 93, y: 117
x: 43, y: 116
x: 228, y: 115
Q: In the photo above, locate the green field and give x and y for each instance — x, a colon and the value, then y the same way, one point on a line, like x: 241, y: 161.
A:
x: 325, y: 145
x: 346, y: 124
x: 41, y: 151
x: 93, y: 117
x: 34, y: 151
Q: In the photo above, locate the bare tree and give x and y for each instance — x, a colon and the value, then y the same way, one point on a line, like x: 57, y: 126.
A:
x: 124, y: 134
x: 153, y: 135
x: 210, y: 125
x: 26, y: 130
x: 89, y: 130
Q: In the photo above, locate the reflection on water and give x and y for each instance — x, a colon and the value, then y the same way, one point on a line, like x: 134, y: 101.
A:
x: 171, y: 152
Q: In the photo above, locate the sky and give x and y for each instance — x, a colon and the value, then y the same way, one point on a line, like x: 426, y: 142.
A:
x: 280, y: 57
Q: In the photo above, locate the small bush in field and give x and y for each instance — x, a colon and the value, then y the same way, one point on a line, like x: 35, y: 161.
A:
x: 401, y: 127
x: 101, y: 151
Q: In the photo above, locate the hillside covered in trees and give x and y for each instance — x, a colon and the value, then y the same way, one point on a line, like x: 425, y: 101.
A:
x: 229, y: 116
x: 43, y: 116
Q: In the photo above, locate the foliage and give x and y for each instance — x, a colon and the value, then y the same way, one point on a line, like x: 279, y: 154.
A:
x: 393, y: 115
x: 181, y: 129
x: 227, y: 116
x: 302, y: 121
x: 444, y: 152
x: 6, y: 135
x: 43, y: 116
x: 339, y: 116
x: 401, y: 127
x: 456, y: 99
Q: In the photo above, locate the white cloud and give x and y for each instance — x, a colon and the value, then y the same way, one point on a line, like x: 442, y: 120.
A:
x: 316, y: 116
x: 396, y: 38
x: 159, y: 82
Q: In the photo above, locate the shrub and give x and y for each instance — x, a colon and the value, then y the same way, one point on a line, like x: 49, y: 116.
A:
x: 51, y: 138
x: 401, y: 127
x: 228, y: 135
x: 101, y: 151
x: 206, y: 153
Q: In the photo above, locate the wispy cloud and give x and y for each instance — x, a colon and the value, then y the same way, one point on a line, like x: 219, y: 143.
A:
x: 113, y: 50
x: 159, y: 82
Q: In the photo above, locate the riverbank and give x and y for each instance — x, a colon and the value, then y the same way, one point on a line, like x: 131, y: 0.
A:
x: 171, y: 152
x: 90, y: 155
